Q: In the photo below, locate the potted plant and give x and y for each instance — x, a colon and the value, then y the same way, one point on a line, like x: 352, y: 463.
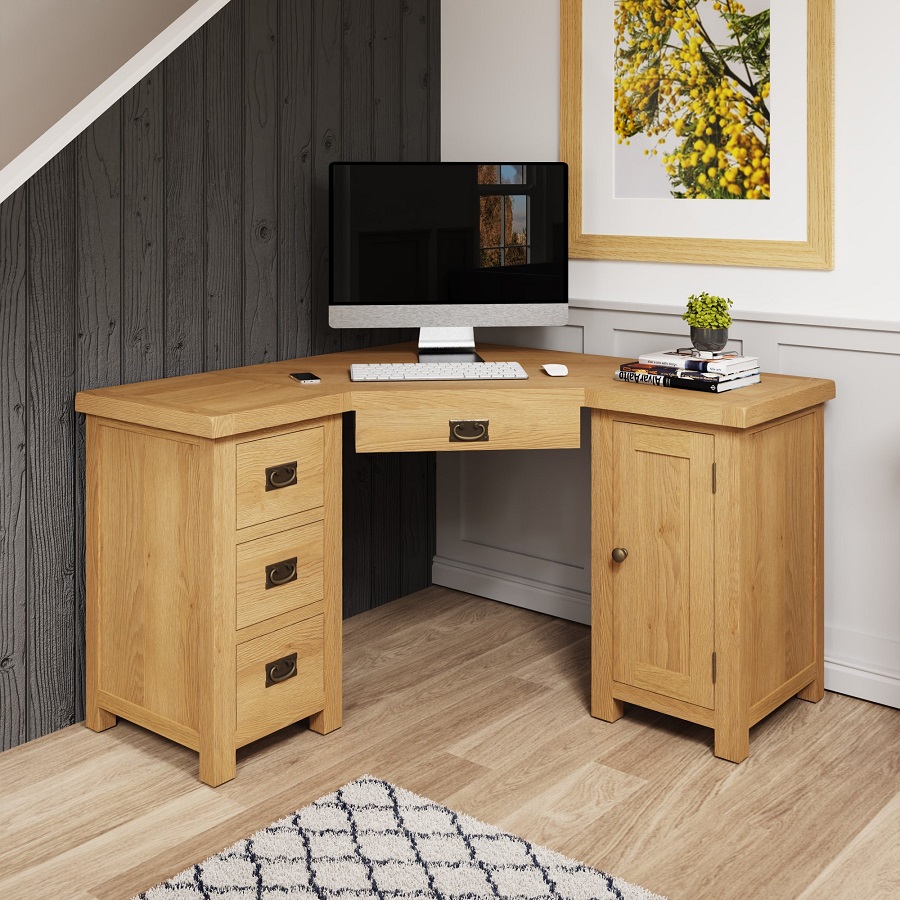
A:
x: 709, y: 319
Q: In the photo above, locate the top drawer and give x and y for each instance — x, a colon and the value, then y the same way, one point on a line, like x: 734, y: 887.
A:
x: 278, y: 476
x: 468, y: 419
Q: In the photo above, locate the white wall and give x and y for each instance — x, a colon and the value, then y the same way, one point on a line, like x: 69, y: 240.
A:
x: 499, y: 100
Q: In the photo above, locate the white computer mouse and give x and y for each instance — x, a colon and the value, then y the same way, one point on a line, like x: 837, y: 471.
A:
x: 555, y: 369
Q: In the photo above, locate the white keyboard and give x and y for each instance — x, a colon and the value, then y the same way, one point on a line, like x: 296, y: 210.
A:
x: 450, y: 371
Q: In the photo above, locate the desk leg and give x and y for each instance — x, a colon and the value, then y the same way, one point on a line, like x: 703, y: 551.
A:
x: 732, y: 738
x: 815, y: 690
x: 95, y: 718
x: 603, y: 704
x: 331, y: 716
x: 216, y: 696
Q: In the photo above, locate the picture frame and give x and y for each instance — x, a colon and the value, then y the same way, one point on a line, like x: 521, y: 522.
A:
x: 812, y: 250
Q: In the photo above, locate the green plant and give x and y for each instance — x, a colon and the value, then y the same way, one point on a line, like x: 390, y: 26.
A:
x: 707, y: 311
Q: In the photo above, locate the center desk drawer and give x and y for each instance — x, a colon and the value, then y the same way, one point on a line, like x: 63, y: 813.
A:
x: 279, y: 573
x: 468, y: 419
x: 279, y: 475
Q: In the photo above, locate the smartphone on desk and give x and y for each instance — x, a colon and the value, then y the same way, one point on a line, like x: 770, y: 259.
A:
x: 305, y: 377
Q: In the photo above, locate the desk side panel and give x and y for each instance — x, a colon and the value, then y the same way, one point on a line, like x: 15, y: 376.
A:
x: 147, y: 582
x: 781, y: 550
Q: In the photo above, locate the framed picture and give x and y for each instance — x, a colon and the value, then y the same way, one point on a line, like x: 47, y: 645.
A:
x: 665, y: 104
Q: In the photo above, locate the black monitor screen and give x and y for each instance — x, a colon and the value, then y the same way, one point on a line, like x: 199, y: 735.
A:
x: 448, y: 233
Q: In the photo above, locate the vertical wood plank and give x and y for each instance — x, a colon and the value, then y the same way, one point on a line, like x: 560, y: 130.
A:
x: 98, y: 236
x: 295, y: 177
x: 387, y: 81
x: 414, y: 111
x: 327, y: 149
x: 13, y: 460
x: 356, y: 84
x: 98, y: 336
x: 185, y: 209
x: 50, y: 546
x: 433, y: 75
x: 416, y: 524
x: 224, y: 117
x: 387, y: 529
x: 260, y: 182
x: 143, y: 239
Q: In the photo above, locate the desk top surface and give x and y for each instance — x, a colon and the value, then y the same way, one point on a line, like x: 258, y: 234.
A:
x: 237, y: 401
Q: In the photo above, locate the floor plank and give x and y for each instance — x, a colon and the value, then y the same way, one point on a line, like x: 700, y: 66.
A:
x: 483, y: 707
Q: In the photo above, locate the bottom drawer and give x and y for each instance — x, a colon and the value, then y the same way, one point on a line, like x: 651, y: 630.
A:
x: 279, y: 679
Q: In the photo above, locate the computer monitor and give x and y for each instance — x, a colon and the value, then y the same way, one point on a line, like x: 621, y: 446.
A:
x: 445, y: 247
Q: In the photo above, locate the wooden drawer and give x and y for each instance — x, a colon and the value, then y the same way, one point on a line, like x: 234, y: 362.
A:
x: 262, y: 710
x: 424, y: 420
x: 278, y: 573
x: 279, y: 475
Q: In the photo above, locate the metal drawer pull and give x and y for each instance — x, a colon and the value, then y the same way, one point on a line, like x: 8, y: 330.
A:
x: 281, y: 476
x: 281, y: 669
x: 469, y: 429
x: 281, y: 573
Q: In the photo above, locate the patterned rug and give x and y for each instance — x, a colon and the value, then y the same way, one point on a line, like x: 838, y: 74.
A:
x: 370, y: 839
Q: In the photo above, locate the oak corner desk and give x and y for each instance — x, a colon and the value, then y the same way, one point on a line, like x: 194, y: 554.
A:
x: 214, y: 538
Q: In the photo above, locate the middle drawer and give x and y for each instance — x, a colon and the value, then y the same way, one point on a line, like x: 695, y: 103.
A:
x: 279, y: 573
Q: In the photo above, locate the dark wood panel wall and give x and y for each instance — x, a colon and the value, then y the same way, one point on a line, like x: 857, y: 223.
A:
x: 185, y: 231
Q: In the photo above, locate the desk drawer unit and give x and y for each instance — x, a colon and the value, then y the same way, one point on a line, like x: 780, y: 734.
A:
x: 214, y: 583
x: 466, y: 419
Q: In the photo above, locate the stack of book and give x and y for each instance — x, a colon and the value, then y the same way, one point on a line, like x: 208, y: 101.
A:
x: 692, y: 370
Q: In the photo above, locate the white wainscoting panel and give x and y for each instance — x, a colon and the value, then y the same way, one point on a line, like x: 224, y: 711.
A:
x: 515, y: 526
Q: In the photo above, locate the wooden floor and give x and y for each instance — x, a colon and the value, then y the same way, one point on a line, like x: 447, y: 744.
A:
x: 483, y: 707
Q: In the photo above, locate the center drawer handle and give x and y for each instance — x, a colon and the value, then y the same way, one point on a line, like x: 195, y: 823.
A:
x: 469, y: 430
x: 281, y: 573
x: 281, y: 669
x: 281, y: 476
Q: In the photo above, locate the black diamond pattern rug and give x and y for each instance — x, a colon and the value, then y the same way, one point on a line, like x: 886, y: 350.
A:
x: 371, y: 839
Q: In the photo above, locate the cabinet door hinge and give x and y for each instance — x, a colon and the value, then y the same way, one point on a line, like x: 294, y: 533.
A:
x: 714, y: 667
x: 714, y: 477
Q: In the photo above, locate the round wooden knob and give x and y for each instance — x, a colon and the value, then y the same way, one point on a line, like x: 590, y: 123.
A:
x: 619, y: 554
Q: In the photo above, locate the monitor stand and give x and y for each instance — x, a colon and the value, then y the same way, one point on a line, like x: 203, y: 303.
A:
x: 447, y: 345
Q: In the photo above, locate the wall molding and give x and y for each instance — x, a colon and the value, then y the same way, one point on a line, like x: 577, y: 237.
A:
x: 506, y: 588
x: 743, y: 315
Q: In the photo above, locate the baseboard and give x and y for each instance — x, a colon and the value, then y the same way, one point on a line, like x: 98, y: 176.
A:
x: 862, y: 665
x: 544, y: 598
x: 865, y: 685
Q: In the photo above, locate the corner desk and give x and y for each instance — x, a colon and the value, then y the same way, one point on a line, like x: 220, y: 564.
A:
x: 214, y: 538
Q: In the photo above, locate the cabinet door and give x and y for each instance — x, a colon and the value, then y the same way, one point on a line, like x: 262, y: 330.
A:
x: 663, y: 590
